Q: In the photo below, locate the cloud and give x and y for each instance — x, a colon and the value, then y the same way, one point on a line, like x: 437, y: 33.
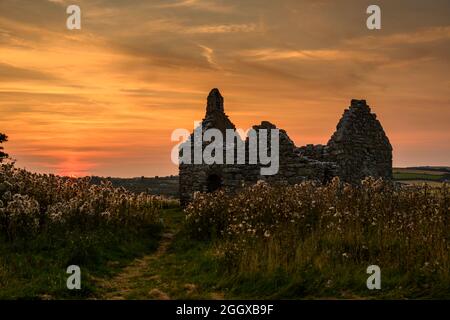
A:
x: 12, y: 73
x: 267, y: 54
x: 205, y: 5
x: 224, y: 28
x: 208, y: 53
x: 421, y: 36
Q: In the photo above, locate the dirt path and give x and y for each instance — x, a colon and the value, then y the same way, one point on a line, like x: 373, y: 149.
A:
x: 120, y: 286
x: 166, y: 273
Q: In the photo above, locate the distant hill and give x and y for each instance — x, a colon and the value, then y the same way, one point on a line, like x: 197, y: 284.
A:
x: 165, y: 186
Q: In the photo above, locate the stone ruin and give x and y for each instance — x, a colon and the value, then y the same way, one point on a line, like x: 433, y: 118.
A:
x: 358, y: 148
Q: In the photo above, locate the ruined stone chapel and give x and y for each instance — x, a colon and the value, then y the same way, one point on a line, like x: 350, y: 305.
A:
x: 358, y: 148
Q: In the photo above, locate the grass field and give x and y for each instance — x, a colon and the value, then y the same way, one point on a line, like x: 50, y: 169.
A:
x: 38, y: 270
x: 432, y: 176
x: 419, y: 171
x: 174, y: 265
x: 189, y: 269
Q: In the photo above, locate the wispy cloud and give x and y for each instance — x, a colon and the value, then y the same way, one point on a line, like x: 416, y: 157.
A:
x: 208, y: 53
x: 10, y: 73
x: 206, y: 5
x: 267, y: 54
x: 421, y: 36
x: 223, y: 28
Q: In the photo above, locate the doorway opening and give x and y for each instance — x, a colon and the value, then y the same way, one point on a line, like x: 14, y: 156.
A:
x: 214, y: 182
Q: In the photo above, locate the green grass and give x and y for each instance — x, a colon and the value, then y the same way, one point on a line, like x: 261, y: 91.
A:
x: 424, y: 171
x: 189, y: 269
x: 37, y: 269
x: 417, y: 176
x: 335, y: 282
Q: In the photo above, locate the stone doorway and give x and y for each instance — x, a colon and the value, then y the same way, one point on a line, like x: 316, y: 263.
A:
x: 214, y: 182
x: 327, y: 176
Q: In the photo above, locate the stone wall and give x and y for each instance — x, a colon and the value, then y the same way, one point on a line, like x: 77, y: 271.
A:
x: 293, y: 167
x: 357, y: 149
x: 360, y: 147
x: 317, y: 152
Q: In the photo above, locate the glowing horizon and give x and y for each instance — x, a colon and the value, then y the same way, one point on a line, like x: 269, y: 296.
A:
x: 104, y: 100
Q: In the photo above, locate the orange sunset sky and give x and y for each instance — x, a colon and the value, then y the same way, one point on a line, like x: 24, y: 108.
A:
x: 104, y: 100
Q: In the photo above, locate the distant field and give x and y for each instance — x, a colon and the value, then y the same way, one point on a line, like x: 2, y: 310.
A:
x: 419, y: 171
x: 165, y: 186
x: 418, y: 182
x: 168, y: 186
x: 418, y: 175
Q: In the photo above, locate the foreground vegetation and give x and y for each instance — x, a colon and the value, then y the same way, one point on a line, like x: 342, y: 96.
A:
x: 48, y: 223
x: 309, y: 240
x: 302, y: 241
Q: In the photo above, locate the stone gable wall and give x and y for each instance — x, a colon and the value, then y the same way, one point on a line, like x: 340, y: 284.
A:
x: 360, y: 147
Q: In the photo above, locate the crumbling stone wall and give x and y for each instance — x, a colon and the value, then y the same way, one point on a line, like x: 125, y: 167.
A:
x: 294, y: 168
x: 360, y: 147
x: 357, y: 149
x: 317, y: 152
